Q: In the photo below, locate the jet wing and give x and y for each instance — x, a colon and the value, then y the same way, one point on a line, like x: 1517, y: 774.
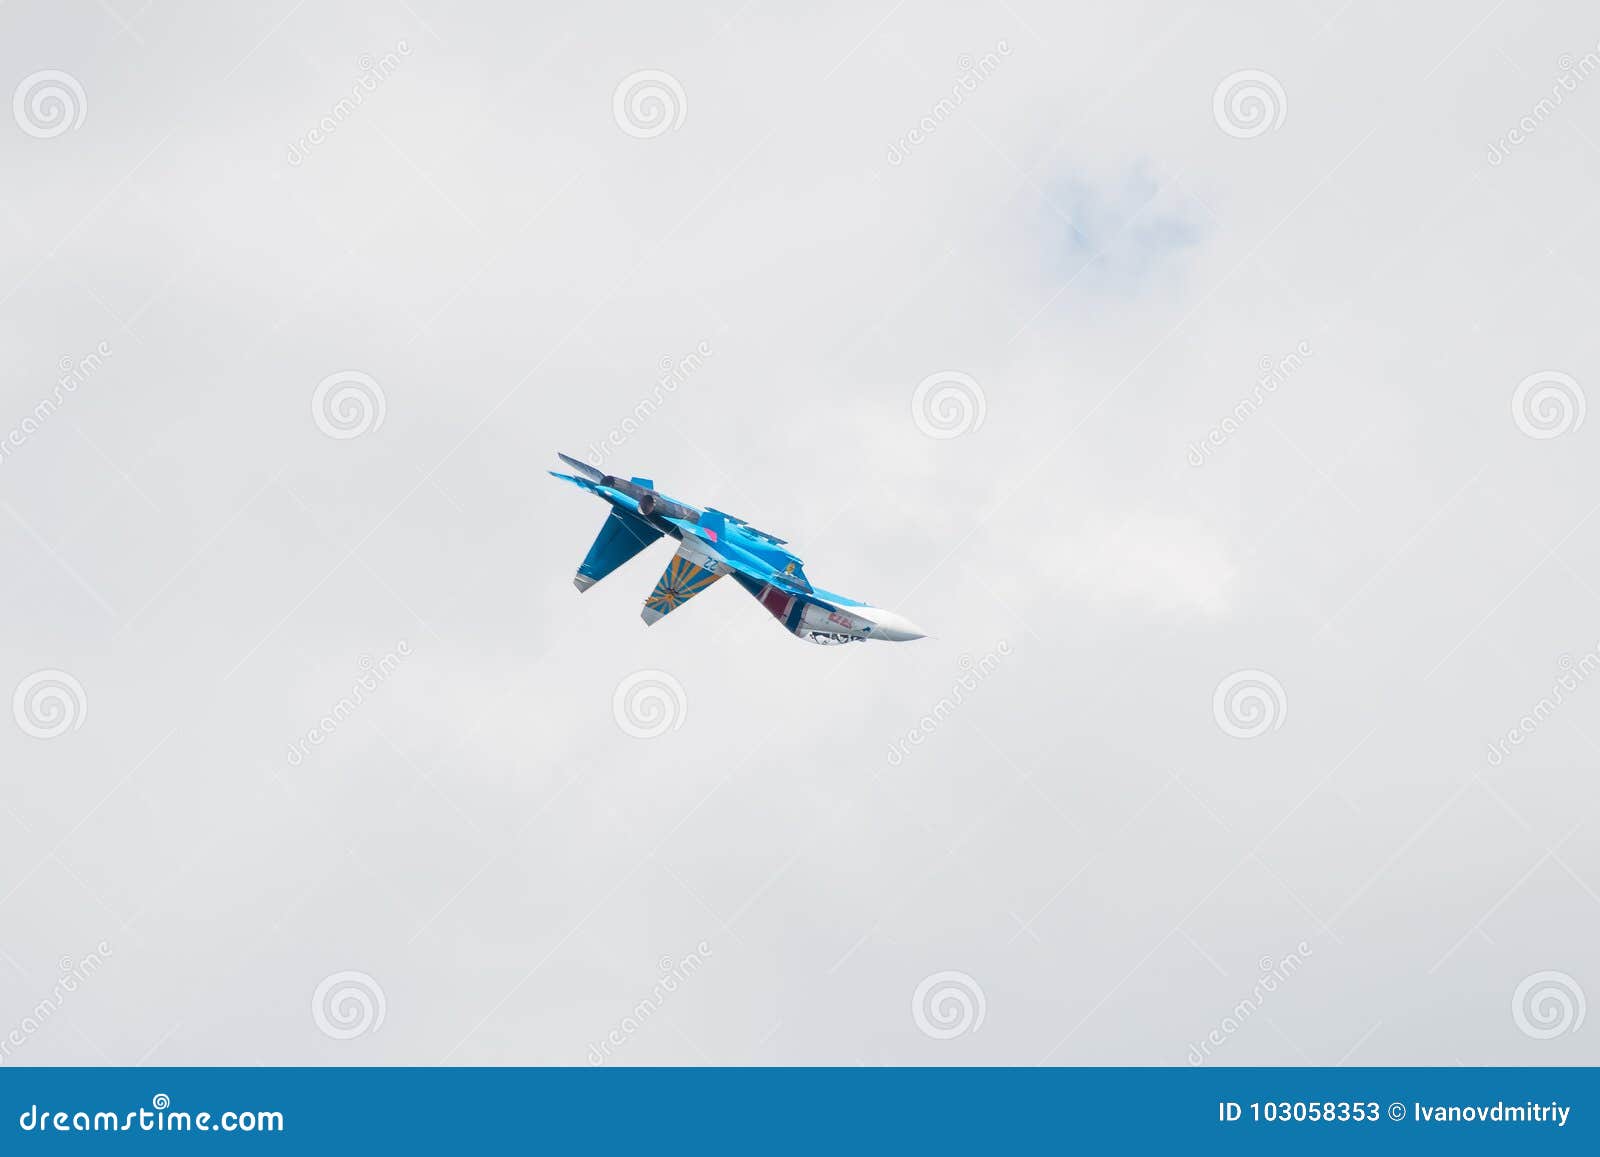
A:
x: 753, y: 573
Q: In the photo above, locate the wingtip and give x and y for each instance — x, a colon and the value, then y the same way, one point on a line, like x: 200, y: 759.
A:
x: 583, y: 582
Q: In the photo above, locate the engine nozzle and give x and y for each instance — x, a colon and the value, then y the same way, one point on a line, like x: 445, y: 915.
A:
x: 650, y: 502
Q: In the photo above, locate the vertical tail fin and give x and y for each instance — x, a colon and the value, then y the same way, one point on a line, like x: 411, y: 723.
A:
x: 688, y: 572
x: 621, y: 536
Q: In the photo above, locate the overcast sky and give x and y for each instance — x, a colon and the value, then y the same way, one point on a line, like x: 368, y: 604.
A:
x: 1210, y: 388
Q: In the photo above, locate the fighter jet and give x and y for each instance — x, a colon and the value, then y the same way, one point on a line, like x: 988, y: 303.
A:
x: 712, y: 543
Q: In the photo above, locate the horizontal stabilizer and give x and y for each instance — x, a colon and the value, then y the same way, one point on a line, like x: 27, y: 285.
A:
x: 583, y: 468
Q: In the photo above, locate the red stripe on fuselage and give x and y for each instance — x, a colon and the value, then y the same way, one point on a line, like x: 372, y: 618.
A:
x: 776, y: 601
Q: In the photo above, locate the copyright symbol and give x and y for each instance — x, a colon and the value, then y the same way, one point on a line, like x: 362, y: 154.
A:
x: 1397, y: 1112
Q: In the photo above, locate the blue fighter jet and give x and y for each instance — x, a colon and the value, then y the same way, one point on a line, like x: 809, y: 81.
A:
x: 712, y: 543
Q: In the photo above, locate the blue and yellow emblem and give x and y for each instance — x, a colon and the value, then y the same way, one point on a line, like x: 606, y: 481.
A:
x: 679, y: 583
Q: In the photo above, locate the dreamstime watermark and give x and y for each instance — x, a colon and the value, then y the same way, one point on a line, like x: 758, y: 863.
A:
x: 348, y: 1004
x: 973, y: 672
x: 73, y: 973
x: 948, y: 404
x: 49, y: 703
x: 1547, y: 1005
x: 673, y: 974
x: 948, y: 1004
x: 973, y: 73
x: 348, y: 404
x: 1571, y: 73
x: 161, y: 1117
x: 1249, y: 703
x: 373, y: 673
x: 374, y: 71
x: 1573, y: 674
x: 1548, y: 404
x: 1248, y: 103
x: 49, y: 103
x: 1273, y: 375
x: 1273, y: 974
x: 673, y: 375
x: 72, y: 374
x: 649, y: 703
x: 648, y: 103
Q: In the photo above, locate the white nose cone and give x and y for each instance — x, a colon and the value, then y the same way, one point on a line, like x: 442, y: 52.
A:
x: 891, y: 627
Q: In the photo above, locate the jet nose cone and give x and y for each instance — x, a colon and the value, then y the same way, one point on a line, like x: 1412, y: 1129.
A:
x: 897, y: 628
